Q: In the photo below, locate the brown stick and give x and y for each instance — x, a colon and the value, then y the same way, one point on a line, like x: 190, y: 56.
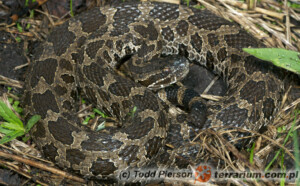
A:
x: 17, y: 169
x: 41, y: 166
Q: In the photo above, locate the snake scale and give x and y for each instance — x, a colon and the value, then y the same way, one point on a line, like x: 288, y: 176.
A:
x: 84, y: 53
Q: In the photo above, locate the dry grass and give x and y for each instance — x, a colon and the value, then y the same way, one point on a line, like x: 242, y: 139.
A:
x: 267, y: 23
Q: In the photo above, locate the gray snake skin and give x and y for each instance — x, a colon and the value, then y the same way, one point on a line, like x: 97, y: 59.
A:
x: 85, y: 52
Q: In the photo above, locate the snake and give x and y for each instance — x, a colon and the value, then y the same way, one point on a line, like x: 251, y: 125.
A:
x: 87, y: 56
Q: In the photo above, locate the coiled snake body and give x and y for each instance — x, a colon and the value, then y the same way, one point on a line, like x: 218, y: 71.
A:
x: 84, y: 52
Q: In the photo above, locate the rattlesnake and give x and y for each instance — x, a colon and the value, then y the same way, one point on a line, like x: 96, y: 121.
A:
x: 85, y: 52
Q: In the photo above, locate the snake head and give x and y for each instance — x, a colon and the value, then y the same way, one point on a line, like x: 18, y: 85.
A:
x: 169, y: 70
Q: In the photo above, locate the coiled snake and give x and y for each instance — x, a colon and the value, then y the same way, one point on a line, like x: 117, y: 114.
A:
x: 85, y: 52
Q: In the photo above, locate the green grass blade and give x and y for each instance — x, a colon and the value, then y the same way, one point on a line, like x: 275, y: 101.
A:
x: 103, y: 115
x: 8, y: 115
x: 71, y: 8
x: 4, y: 130
x: 11, y: 126
x: 284, y: 142
x: 286, y: 59
x: 33, y: 120
x: 17, y: 108
x: 296, y: 148
x: 252, y: 153
x: 11, y: 136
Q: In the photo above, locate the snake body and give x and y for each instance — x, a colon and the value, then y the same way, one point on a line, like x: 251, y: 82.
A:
x: 85, y: 52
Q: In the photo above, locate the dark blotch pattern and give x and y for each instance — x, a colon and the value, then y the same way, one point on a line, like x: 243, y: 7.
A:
x: 39, y: 50
x: 68, y: 116
x: 128, y: 153
x: 174, y: 137
x: 168, y: 34
x: 59, y: 90
x: 190, y: 152
x: 92, y: 48
x: 152, y: 146
x: 149, y: 32
x: 122, y: 87
x: 240, y: 40
x: 45, y: 69
x: 27, y: 99
x: 74, y: 94
x: 268, y: 108
x: 100, y: 61
x: 235, y: 58
x: 90, y: 94
x: 100, y: 142
x: 164, y: 11
x: 65, y: 64
x: 162, y: 119
x: 99, y: 33
x: 210, y: 60
x: 253, y: 91
x: 233, y: 73
x: 222, y: 54
x: 67, y: 105
x: 78, y: 57
x: 40, y: 130
x: 126, y: 104
x: 104, y: 96
x: 240, y: 78
x: 181, y: 117
x: 80, y: 76
x: 145, y: 49
x: 139, y: 129
x: 106, y: 57
x: 109, y: 43
x: 196, y: 42
x: 187, y: 96
x: 125, y: 15
x: 159, y: 45
x: 181, y: 162
x: 61, y: 44
x: 44, y: 102
x: 62, y: 130
x: 81, y: 41
x: 232, y: 90
x: 164, y: 158
x: 206, y: 20
x: 172, y: 92
x: 103, y: 167
x: 229, y: 100
x: 92, y: 20
x: 74, y: 156
x: 94, y: 73
x: 213, y: 40
x: 146, y: 101
x: 254, y: 115
x: 119, y: 45
x: 252, y: 64
x: 116, y: 110
x: 198, y: 113
x: 50, y: 151
x: 232, y: 115
x: 183, y: 50
x: 272, y: 85
x: 182, y: 28
x: 68, y: 78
